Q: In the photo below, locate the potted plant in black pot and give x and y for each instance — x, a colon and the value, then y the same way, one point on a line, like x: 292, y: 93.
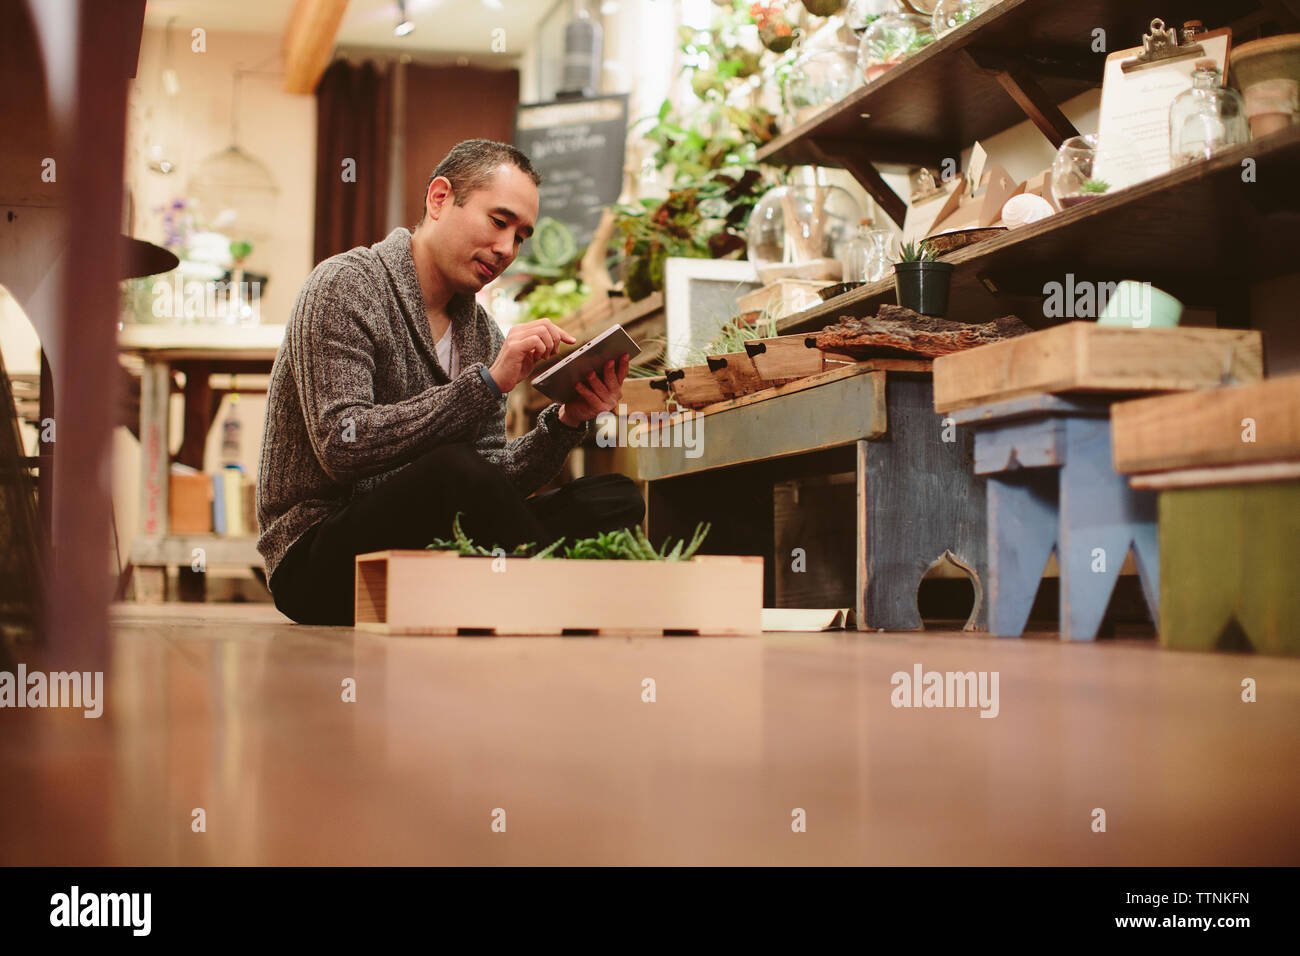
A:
x: 921, y: 282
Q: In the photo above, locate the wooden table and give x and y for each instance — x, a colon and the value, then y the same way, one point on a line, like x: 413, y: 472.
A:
x: 198, y: 351
x: 917, y: 500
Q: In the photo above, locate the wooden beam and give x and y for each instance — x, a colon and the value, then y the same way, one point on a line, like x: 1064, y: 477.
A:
x: 1029, y: 96
x: 309, y: 41
x: 866, y: 174
x: 1285, y: 12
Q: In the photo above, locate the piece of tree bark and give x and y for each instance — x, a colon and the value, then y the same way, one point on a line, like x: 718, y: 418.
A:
x: 895, y: 329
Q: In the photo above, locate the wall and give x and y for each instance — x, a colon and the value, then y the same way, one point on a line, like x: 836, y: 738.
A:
x: 274, y: 127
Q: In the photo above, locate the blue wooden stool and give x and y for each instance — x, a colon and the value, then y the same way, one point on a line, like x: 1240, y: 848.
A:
x: 1051, y: 485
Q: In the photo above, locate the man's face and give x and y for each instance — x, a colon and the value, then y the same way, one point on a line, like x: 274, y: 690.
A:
x: 473, y: 244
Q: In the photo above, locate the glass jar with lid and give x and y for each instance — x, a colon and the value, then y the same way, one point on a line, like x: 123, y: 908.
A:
x: 1206, y: 119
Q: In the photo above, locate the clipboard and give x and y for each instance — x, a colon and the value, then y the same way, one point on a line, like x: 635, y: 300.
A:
x: 1138, y: 87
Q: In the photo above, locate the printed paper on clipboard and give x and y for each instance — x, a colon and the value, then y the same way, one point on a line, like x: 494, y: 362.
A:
x: 1133, y: 127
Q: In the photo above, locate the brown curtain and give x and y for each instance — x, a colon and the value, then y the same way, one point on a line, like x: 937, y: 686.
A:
x: 353, y: 117
x: 443, y: 106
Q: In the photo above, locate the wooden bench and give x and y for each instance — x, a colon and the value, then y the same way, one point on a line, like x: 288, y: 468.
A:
x: 916, y: 499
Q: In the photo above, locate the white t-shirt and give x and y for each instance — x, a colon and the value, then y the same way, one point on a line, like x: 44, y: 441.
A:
x: 448, y: 357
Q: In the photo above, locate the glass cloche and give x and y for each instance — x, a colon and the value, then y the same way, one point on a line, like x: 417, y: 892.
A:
x: 798, y: 228
x: 820, y: 78
x: 862, y: 13
x: 950, y: 14
x: 889, y: 41
x: 236, y: 196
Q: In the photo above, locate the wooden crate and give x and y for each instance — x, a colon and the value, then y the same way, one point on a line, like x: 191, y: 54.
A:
x: 787, y: 358
x: 735, y: 373
x: 1086, y: 357
x: 783, y: 297
x: 1239, y: 425
x: 695, y: 386
x: 444, y: 593
x: 646, y: 394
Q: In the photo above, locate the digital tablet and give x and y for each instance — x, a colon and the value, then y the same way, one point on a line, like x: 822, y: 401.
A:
x: 557, y: 381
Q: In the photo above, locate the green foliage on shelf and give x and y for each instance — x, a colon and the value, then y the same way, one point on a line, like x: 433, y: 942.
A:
x: 1095, y: 186
x: 703, y: 221
x: 555, y: 301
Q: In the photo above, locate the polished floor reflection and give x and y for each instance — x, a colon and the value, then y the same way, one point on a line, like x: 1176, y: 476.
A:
x: 233, y: 711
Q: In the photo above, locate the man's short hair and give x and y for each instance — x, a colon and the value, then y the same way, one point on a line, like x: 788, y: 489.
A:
x: 469, y: 166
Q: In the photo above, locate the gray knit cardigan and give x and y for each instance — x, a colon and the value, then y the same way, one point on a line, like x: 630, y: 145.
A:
x: 357, y: 393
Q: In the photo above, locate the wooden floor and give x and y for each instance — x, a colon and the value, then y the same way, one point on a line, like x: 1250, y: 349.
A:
x: 233, y: 710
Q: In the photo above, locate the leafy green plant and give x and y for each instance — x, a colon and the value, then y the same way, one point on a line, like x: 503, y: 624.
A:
x: 461, y: 543
x: 704, y: 221
x: 623, y: 544
x: 1094, y: 186
x: 891, y: 44
x: 554, y: 301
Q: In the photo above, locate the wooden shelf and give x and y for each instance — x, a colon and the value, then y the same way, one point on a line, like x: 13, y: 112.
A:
x: 1016, y: 61
x: 1199, y: 232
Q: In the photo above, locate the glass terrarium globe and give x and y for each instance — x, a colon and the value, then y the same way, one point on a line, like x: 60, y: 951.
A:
x: 800, y: 226
x: 950, y: 14
x: 1086, y: 168
x: 861, y: 13
x: 1072, y: 169
x: 236, y: 196
x: 889, y: 41
x: 818, y: 79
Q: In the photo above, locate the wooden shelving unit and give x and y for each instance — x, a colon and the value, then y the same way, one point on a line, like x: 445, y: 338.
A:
x: 1017, y: 61
x: 1200, y: 232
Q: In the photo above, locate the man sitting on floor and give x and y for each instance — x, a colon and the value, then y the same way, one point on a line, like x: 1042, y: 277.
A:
x: 386, y: 410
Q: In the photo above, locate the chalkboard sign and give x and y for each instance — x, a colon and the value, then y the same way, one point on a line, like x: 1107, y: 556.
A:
x: 577, y: 146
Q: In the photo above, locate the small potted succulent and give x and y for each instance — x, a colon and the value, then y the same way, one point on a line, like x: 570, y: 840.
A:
x: 921, y: 282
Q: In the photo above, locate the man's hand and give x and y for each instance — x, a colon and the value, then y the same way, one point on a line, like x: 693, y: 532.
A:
x: 596, y: 395
x: 524, y: 347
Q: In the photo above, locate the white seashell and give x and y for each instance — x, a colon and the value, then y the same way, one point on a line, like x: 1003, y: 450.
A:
x: 1023, y: 209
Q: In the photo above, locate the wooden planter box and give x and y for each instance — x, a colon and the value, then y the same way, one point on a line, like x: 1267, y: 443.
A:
x: 1086, y: 357
x: 735, y: 373
x: 787, y: 358
x: 646, y: 394
x: 695, y: 386
x: 441, y: 592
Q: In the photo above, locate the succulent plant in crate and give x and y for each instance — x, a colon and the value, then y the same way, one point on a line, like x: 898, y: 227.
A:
x: 622, y: 544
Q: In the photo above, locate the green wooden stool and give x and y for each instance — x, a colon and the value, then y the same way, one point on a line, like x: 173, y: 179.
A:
x: 1226, y: 465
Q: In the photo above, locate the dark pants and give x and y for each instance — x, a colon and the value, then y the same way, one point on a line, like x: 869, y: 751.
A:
x: 314, y: 582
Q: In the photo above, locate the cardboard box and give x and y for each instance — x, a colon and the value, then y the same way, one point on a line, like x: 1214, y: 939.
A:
x: 189, y: 503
